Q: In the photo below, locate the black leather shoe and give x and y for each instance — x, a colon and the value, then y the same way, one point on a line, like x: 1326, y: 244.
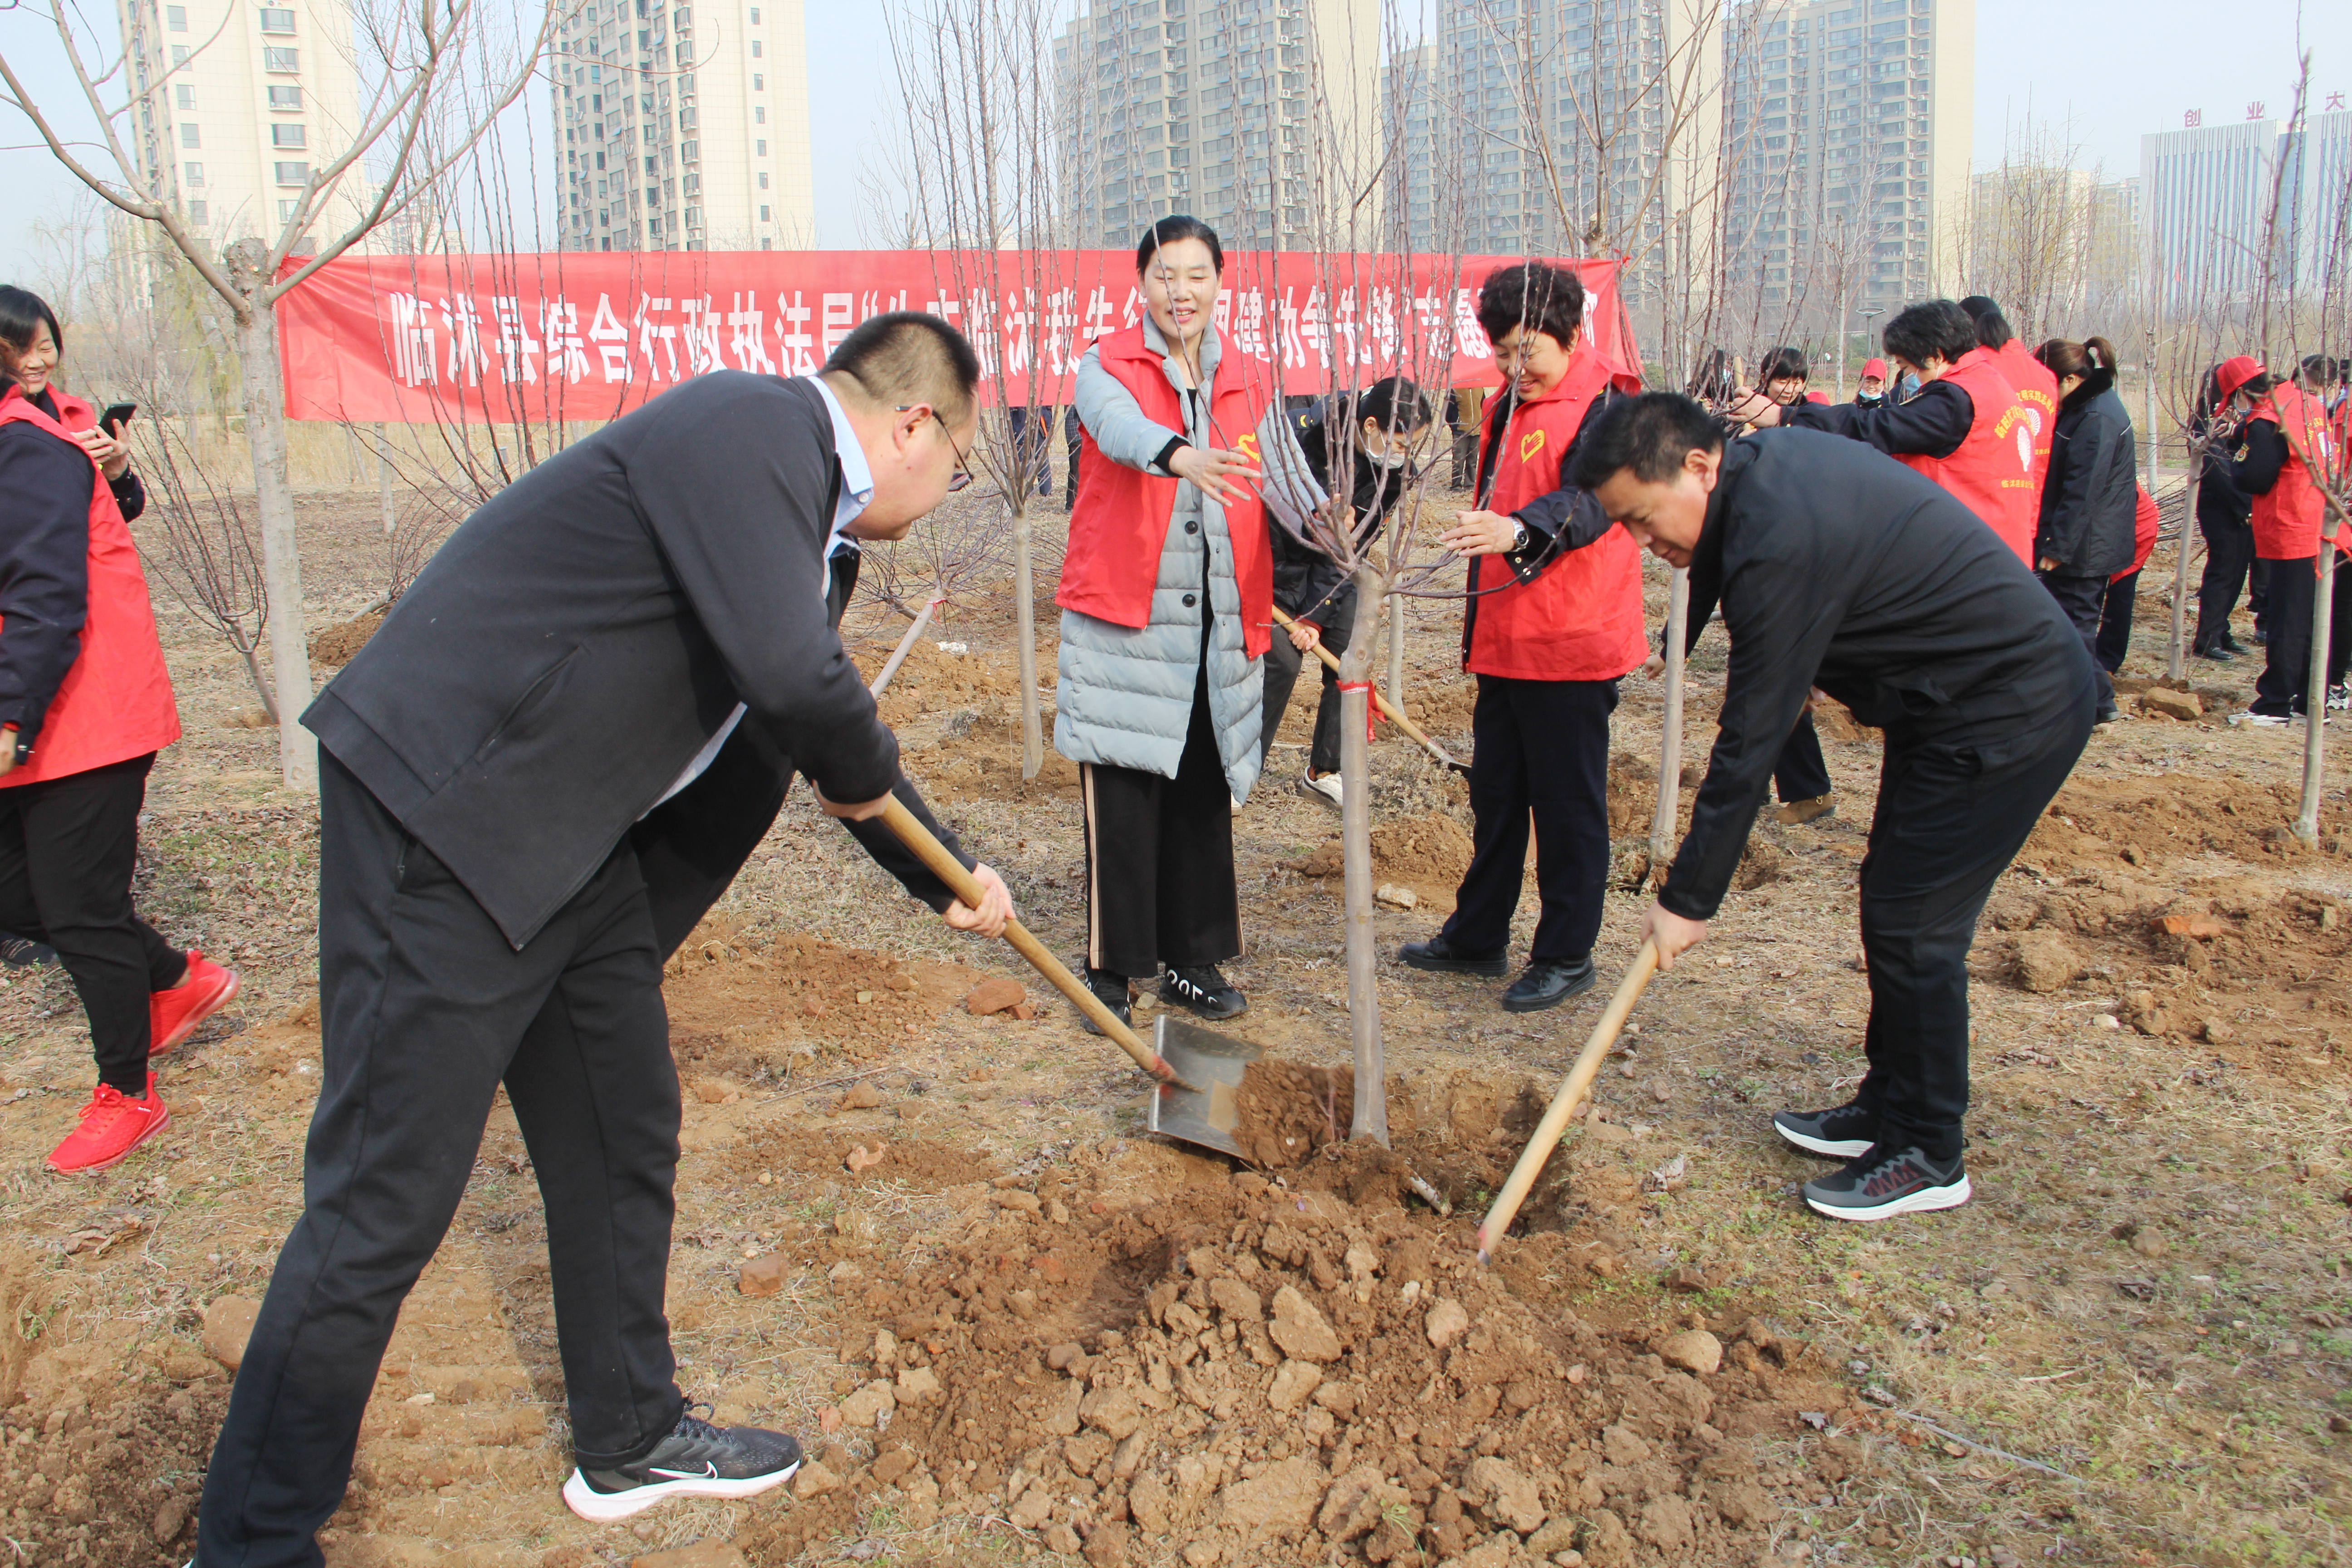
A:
x: 1548, y: 985
x: 1112, y: 989
x: 2218, y: 652
x: 1438, y: 955
x: 1201, y: 989
x: 2232, y: 646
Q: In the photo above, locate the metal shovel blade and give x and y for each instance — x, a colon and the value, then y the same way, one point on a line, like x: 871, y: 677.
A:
x: 1205, y: 1107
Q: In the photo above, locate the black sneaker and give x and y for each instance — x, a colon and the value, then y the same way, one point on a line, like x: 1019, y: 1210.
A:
x: 1439, y: 956
x: 1548, y: 985
x: 1113, y: 992
x: 2218, y: 652
x: 697, y: 1460
x: 1201, y: 989
x: 24, y: 952
x: 1882, y: 1184
x: 2232, y: 646
x: 1845, y: 1133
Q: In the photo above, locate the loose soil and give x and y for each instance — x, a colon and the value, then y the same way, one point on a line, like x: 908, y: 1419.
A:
x: 1011, y: 1327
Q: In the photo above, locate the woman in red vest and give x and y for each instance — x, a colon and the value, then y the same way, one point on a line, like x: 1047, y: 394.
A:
x: 2290, y: 441
x: 85, y: 704
x: 1548, y: 636
x: 2032, y: 380
x: 1166, y: 600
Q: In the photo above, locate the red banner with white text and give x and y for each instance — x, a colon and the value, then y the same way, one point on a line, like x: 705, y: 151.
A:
x: 575, y: 336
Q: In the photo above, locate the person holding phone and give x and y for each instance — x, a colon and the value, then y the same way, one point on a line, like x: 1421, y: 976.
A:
x: 85, y: 704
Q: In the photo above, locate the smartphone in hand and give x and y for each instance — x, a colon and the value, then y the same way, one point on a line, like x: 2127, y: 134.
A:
x: 116, y: 417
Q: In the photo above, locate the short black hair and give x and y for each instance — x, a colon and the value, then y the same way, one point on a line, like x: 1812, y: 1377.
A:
x: 22, y: 312
x: 1933, y: 329
x: 2318, y: 370
x: 1535, y: 295
x: 905, y: 357
x: 1394, y: 402
x: 1650, y: 434
x: 1993, y: 330
x: 1782, y: 363
x: 1167, y: 231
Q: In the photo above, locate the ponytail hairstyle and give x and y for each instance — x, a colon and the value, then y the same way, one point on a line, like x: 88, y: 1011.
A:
x: 2086, y: 358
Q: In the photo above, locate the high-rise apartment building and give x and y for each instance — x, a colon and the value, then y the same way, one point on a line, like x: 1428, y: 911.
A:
x: 1222, y: 109
x: 234, y: 108
x: 683, y: 127
x: 2207, y: 196
x: 1846, y: 140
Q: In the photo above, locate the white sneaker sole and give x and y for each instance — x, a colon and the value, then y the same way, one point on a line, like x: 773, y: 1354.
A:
x: 1830, y: 1148
x: 1926, y: 1200
x: 603, y: 1508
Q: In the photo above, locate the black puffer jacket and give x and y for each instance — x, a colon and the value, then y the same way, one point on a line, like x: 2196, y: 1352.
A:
x: 1305, y: 579
x: 2089, y: 500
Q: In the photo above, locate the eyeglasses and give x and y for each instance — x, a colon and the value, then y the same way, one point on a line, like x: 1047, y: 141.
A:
x: 962, y: 475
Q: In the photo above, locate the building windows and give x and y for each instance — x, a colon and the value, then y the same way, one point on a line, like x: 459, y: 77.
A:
x: 190, y: 137
x: 196, y: 174
x: 175, y: 18
x: 293, y: 173
x: 759, y: 115
x: 759, y: 82
x: 199, y: 214
x: 755, y: 48
x: 755, y: 16
x: 186, y: 96
x: 286, y: 208
x: 764, y: 212
x: 274, y: 20
x: 763, y: 181
x: 279, y: 58
x: 179, y: 55
x: 285, y: 98
x: 762, y: 147
x: 288, y: 136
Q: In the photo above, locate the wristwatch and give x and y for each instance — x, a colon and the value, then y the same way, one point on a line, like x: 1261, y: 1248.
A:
x: 1519, y: 537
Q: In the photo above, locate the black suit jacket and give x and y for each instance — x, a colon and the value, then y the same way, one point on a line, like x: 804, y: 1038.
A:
x: 577, y: 641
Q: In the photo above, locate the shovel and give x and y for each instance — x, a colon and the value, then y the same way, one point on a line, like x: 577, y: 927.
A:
x: 1197, y: 1072
x: 1388, y: 711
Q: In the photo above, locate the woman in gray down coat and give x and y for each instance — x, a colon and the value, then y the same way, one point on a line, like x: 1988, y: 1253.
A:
x: 1166, y: 600
x: 2091, y: 497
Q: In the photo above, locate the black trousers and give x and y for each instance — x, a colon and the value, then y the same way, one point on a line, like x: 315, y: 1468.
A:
x: 1800, y: 773
x: 67, y: 848
x: 1337, y: 615
x: 1540, y: 756
x: 1946, y: 828
x: 2228, y: 555
x: 1464, y: 458
x: 2083, y: 598
x: 425, y: 1011
x: 2116, y: 622
x: 2286, y: 661
x: 1160, y: 859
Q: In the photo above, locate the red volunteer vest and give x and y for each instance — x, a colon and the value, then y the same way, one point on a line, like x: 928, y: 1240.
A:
x: 115, y: 702
x: 2287, y: 519
x: 1119, y: 519
x: 1992, y: 472
x: 2145, y: 520
x: 1581, y: 619
x: 2032, y: 380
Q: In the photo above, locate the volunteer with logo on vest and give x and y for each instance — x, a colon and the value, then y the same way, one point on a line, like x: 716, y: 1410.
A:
x: 1166, y: 600
x: 85, y: 704
x: 2084, y: 536
x: 1966, y: 428
x: 2032, y: 379
x: 1547, y: 629
x: 2289, y: 435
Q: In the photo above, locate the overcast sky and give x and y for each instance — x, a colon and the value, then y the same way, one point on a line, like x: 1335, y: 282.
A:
x: 2106, y: 71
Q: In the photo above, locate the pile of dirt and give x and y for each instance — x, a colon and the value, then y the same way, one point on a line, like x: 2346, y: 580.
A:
x: 1432, y: 850
x: 1255, y: 1373
x: 935, y: 680
x: 1286, y: 1112
x: 2101, y: 822
x: 336, y: 646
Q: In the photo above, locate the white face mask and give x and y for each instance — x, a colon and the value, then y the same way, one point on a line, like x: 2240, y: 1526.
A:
x: 1392, y: 459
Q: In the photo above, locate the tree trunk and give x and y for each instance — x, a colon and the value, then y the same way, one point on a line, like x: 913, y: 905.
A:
x: 281, y: 560
x: 1371, y: 1118
x: 1024, y: 616
x: 1670, y: 749
x: 260, y: 682
x: 2177, y: 656
x: 2315, y: 695
x: 1396, y: 652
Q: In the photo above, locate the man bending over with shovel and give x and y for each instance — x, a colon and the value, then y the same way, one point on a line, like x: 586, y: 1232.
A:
x: 1838, y: 567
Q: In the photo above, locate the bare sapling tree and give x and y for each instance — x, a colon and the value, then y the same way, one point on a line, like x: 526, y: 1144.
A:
x: 210, y: 557
x: 436, y: 75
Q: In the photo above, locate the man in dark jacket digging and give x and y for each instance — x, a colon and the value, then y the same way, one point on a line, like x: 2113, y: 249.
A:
x: 1829, y: 557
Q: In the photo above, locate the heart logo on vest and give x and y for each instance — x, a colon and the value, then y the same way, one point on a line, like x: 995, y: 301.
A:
x: 1530, y: 444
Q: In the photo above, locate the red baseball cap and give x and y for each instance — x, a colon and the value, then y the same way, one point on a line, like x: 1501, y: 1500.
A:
x: 2235, y: 373
x: 1876, y: 367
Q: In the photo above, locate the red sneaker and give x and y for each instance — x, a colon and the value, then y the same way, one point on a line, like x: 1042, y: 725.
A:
x: 173, y: 1015
x: 112, y: 1124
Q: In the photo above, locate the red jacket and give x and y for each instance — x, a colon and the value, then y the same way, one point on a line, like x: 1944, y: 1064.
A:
x: 2032, y: 380
x: 1991, y: 474
x: 2287, y: 516
x: 1119, y: 519
x: 1581, y: 618
x: 2145, y: 521
x: 115, y: 702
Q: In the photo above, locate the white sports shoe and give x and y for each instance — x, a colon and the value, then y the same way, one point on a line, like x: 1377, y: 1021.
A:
x: 1328, y: 787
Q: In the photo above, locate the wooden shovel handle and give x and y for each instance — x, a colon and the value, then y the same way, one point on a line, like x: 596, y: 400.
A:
x: 949, y: 869
x: 1388, y: 711
x: 1573, y: 1089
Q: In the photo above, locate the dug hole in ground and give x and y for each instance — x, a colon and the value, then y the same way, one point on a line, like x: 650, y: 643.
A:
x: 1010, y: 1326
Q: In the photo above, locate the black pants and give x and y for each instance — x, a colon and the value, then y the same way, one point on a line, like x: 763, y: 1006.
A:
x: 2258, y: 591
x: 1540, y: 755
x: 1160, y: 859
x: 67, y: 848
x: 1800, y: 773
x: 2116, y: 622
x: 425, y: 1011
x: 1338, y: 617
x: 2286, y: 662
x: 1464, y: 458
x: 1071, y: 444
x: 2229, y: 553
x: 1946, y: 828
x: 2083, y: 598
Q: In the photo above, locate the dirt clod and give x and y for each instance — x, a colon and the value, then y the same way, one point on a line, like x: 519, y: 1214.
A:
x: 228, y: 1324
x: 994, y: 996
